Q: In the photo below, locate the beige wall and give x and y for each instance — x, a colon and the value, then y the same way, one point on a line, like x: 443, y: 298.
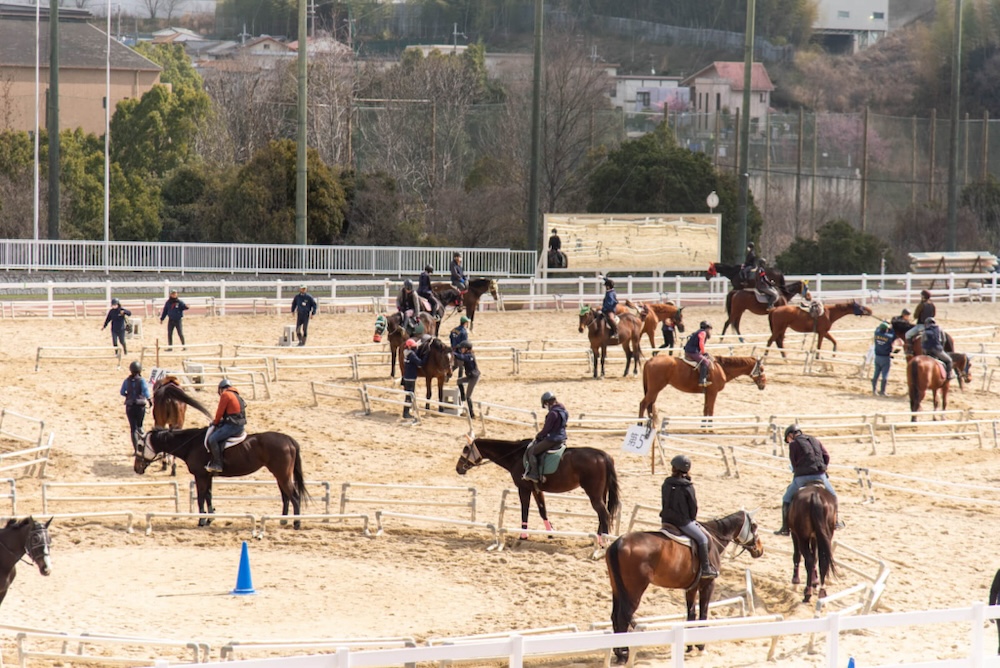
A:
x: 81, y: 95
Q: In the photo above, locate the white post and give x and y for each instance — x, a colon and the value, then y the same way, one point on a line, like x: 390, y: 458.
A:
x: 48, y: 289
x: 278, y: 293
x: 977, y: 642
x: 864, y: 282
x: 909, y: 280
x: 342, y: 658
x: 629, y: 282
x: 951, y: 287
x: 677, y: 289
x: 517, y: 651
x: 34, y: 212
x: 386, y: 291
x: 579, y: 287
x: 107, y: 139
x: 222, y: 296
x: 833, y: 641
x: 166, y: 289
x: 819, y: 283
x: 333, y: 288
x: 531, y: 293
x: 993, y: 288
x: 677, y: 649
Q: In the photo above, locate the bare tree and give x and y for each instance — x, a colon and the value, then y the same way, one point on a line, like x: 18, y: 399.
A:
x: 153, y: 7
x: 81, y: 4
x: 171, y: 6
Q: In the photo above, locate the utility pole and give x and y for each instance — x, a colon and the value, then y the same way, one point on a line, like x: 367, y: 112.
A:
x: 956, y: 82
x: 454, y: 37
x: 534, y: 188
x: 301, y: 173
x: 53, y: 118
x: 744, y: 161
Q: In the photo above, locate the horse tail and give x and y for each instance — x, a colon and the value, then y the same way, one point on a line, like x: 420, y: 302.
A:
x: 913, y: 376
x: 173, y: 392
x: 824, y: 535
x: 297, y: 477
x: 621, y: 610
x: 612, y: 492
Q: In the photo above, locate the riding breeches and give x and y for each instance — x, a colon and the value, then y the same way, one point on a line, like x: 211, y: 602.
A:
x: 940, y: 354
x: 118, y: 339
x: 175, y: 325
x: 800, y: 481
x: 539, y: 448
x: 466, y: 385
x: 695, y: 533
x: 136, y: 414
x: 668, y: 337
x: 302, y: 326
x: 224, y: 431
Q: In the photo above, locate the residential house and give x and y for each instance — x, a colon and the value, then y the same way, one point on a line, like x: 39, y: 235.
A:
x: 719, y: 88
x: 82, y: 70
x: 638, y: 93
x: 847, y: 26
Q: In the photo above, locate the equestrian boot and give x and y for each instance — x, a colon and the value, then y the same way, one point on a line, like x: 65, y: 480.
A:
x: 215, y: 466
x: 531, y: 473
x: 708, y: 571
x: 703, y: 380
x: 783, y: 531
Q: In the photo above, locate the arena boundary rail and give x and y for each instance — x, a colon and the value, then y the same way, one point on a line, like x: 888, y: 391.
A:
x: 229, y: 651
x: 14, y: 433
x: 321, y: 517
x: 11, y: 495
x: 48, y: 498
x: 199, y: 651
x: 79, y: 354
x: 592, y: 536
x: 218, y: 483
x: 38, y: 456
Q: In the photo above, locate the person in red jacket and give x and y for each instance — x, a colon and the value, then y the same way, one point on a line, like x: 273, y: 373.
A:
x: 230, y: 420
x: 694, y: 350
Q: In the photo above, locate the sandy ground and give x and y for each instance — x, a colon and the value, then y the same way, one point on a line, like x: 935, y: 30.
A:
x: 330, y: 581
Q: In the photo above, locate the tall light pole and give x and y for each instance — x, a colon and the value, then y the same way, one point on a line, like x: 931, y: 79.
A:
x: 107, y: 152
x: 956, y: 83
x: 301, y: 173
x: 534, y: 186
x: 744, y: 159
x: 38, y: 50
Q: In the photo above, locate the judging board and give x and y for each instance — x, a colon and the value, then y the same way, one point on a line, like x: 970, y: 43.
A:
x: 636, y: 242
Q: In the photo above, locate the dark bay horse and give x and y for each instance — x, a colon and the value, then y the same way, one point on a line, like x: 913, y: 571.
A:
x: 812, y: 519
x: 639, y: 559
x: 629, y: 337
x: 657, y: 313
x: 437, y: 366
x: 278, y: 452
x: 589, y: 468
x: 995, y: 600
x: 663, y: 370
x: 392, y: 326
x: 170, y: 403
x: 914, y: 345
x: 450, y: 295
x: 926, y: 373
x: 785, y: 317
x: 732, y: 272
x: 739, y: 302
x: 18, y: 538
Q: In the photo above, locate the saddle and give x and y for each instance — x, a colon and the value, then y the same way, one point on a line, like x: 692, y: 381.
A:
x: 670, y: 531
x: 550, y: 461
x: 761, y: 296
x: 814, y: 309
x: 230, y: 442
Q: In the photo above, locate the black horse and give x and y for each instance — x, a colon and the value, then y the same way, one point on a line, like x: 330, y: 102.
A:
x: 913, y: 347
x: 589, y: 468
x: 995, y: 600
x: 18, y: 538
x: 732, y: 272
x: 278, y: 452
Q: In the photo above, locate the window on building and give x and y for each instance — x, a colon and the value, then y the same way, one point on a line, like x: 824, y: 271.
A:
x: 718, y: 101
x: 878, y: 16
x: 642, y: 97
x: 763, y: 97
x: 843, y: 14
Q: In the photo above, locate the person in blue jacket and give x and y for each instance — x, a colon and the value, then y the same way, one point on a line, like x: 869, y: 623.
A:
x: 884, y: 337
x: 173, y: 311
x: 552, y: 435
x: 458, y: 277
x: 136, y: 391
x: 411, y: 366
x: 608, y: 307
x: 116, y: 318
x: 304, y: 307
x: 933, y: 345
x: 467, y: 383
x: 456, y: 337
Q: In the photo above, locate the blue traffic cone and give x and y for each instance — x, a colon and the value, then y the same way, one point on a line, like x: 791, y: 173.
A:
x: 850, y: 664
x: 244, y: 583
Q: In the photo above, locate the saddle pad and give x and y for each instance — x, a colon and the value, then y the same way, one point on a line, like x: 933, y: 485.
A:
x: 230, y: 442
x: 551, y: 460
x: 671, y: 532
x: 761, y: 297
x: 689, y: 362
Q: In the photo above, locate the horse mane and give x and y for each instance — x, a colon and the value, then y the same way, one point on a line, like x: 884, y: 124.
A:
x: 167, y: 380
x: 721, y: 528
x: 504, y: 447
x: 733, y: 362
x: 14, y: 523
x: 480, y: 282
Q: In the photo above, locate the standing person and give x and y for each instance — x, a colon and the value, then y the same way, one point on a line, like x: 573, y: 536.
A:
x: 667, y: 328
x: 411, y: 365
x: 230, y: 420
x: 609, y: 305
x: 809, y: 460
x: 552, y: 436
x: 694, y: 350
x: 116, y: 316
x: 424, y: 290
x: 679, y: 506
x: 456, y: 337
x: 458, y: 277
x: 173, y: 310
x: 467, y: 383
x: 304, y: 307
x: 136, y: 391
x: 933, y: 345
x: 884, y: 338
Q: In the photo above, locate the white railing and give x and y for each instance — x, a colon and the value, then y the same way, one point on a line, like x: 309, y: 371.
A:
x: 254, y: 258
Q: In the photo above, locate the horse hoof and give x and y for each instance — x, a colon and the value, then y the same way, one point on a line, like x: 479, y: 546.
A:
x: 795, y: 580
x: 296, y: 525
x: 203, y: 522
x: 173, y: 470
x: 283, y: 522
x: 621, y: 654
x: 805, y: 599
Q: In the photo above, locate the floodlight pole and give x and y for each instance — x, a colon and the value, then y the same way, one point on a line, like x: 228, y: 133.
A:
x: 956, y: 82
x: 301, y: 172
x: 744, y: 195
x: 534, y: 187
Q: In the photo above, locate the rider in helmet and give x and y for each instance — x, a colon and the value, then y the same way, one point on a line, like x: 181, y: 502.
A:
x: 694, y: 350
x: 764, y: 285
x: 135, y: 389
x: 116, y: 318
x: 809, y: 460
x: 230, y: 420
x: 551, y: 437
x: 608, y: 307
x: 411, y: 366
x: 424, y: 290
x: 932, y: 344
x: 749, y: 266
x: 458, y: 277
x: 680, y: 508
x: 408, y: 305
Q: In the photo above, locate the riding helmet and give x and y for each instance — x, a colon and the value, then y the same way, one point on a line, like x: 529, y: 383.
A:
x: 429, y: 269
x: 547, y: 397
x: 792, y: 429
x: 761, y: 262
x: 705, y: 324
x: 410, y: 343
x: 135, y: 368
x: 681, y: 463
x: 407, y: 284
x: 224, y: 383
x: 114, y: 301
x: 751, y: 246
x: 930, y: 321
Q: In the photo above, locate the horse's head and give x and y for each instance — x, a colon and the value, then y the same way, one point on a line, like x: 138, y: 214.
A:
x: 643, y: 310
x: 144, y: 455
x: 381, y: 324
x: 494, y: 289
x: 469, y: 458
x: 679, y: 318
x: 38, y: 545
x: 860, y: 309
x: 712, y: 272
x: 757, y: 374
x: 963, y: 369
x: 587, y: 316
x: 747, y: 538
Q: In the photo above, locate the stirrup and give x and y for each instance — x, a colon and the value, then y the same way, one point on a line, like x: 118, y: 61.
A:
x: 709, y: 573
x: 783, y: 531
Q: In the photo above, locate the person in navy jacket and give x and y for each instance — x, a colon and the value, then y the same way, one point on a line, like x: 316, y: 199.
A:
x: 173, y: 311
x: 116, y: 318
x: 304, y: 307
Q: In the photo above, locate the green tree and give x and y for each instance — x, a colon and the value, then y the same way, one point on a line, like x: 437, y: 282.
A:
x: 652, y: 174
x: 837, y: 249
x: 176, y: 64
x: 982, y: 198
x: 260, y: 201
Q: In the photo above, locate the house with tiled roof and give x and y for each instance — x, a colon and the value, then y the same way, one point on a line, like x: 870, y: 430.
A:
x: 719, y: 88
x: 82, y: 52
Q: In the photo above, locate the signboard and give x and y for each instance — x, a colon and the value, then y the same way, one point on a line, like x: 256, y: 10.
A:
x: 637, y: 242
x: 638, y: 440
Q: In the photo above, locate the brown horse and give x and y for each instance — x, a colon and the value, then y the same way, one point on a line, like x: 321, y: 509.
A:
x: 740, y: 301
x: 733, y: 271
x: 662, y: 371
x: 589, y: 468
x: 629, y: 336
x: 657, y: 313
x: 926, y: 373
x: 392, y: 326
x: 812, y: 519
x: 793, y: 317
x: 639, y: 559
x: 278, y: 452
x: 451, y: 296
x: 170, y: 403
x: 437, y: 365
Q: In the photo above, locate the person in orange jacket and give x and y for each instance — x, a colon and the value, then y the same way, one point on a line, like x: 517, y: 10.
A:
x: 230, y: 420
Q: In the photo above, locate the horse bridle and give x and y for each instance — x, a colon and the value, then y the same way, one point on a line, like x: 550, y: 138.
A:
x: 758, y: 369
x: 36, y: 547
x: 745, y: 538
x: 474, y: 457
x: 146, y: 445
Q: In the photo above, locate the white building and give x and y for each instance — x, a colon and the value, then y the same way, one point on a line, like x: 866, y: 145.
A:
x: 847, y: 26
x: 647, y: 93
